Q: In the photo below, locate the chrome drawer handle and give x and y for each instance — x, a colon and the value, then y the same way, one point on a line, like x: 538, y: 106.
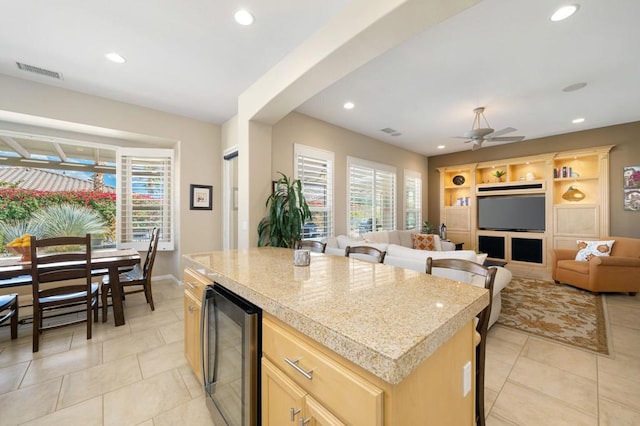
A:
x: 192, y: 309
x: 293, y: 413
x: 304, y: 421
x: 294, y: 364
x: 191, y: 285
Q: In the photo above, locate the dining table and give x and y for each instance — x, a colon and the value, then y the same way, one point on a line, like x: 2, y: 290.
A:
x: 15, y: 272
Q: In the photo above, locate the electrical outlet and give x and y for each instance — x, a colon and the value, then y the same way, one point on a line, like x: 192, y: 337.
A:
x: 466, y: 379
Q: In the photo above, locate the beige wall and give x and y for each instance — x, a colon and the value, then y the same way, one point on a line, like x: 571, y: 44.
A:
x: 626, y: 152
x: 305, y: 130
x: 198, y: 150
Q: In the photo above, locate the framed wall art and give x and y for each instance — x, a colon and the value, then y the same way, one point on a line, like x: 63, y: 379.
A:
x: 631, y: 188
x: 201, y: 197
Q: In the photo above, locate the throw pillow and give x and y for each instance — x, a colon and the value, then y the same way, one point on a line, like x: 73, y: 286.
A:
x: 423, y: 242
x: 589, y: 249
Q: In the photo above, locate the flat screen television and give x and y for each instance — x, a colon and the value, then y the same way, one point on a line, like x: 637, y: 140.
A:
x: 512, y: 213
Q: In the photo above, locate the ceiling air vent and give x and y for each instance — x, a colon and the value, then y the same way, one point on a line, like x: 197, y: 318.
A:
x: 39, y: 71
x: 390, y: 131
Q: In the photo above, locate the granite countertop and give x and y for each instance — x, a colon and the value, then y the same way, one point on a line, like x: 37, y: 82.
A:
x: 383, y: 318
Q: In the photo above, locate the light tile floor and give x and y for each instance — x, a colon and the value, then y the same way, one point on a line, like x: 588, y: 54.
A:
x: 137, y: 375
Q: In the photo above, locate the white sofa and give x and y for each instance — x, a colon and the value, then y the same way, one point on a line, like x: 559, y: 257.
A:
x: 399, y: 252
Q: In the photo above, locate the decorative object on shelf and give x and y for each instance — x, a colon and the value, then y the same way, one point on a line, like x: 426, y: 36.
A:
x: 530, y: 176
x: 458, y: 180
x: 201, y: 197
x: 443, y: 232
x: 499, y: 174
x: 573, y: 194
x: 287, y: 211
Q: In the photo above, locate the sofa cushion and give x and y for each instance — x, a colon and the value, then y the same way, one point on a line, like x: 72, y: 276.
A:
x: 589, y: 249
x: 452, y: 274
x: 405, y: 238
x: 424, y: 242
x: 407, y: 253
x: 503, y: 277
x: 344, y: 241
x: 385, y: 237
x: 574, y: 266
x: 379, y: 246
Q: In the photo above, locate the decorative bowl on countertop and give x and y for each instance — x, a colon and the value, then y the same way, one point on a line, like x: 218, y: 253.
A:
x: 24, y: 251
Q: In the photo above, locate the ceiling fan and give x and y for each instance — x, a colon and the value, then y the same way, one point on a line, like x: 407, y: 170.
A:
x: 478, y: 134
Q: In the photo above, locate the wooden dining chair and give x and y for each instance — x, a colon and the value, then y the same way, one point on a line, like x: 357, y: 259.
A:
x: 375, y: 253
x: 482, y: 326
x: 313, y: 245
x: 9, y: 310
x: 136, y: 277
x: 57, y: 260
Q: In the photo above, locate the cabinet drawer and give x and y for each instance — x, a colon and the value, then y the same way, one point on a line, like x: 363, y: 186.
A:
x: 346, y: 394
x: 195, y: 283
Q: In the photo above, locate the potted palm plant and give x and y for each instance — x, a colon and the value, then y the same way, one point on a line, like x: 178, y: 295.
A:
x: 287, y: 211
x: 499, y: 174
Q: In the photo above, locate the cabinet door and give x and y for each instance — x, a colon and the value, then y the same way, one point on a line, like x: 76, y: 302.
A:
x: 192, y: 351
x: 282, y: 399
x: 317, y: 415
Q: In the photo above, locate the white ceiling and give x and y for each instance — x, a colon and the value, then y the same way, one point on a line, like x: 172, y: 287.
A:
x: 190, y: 58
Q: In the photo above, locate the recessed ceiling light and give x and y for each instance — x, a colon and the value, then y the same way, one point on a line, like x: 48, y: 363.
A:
x: 243, y: 17
x: 114, y: 57
x: 349, y: 105
x: 574, y: 87
x: 564, y: 12
x: 440, y: 146
x: 577, y: 120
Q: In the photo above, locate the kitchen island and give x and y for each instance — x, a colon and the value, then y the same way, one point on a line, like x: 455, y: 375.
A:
x: 401, y: 338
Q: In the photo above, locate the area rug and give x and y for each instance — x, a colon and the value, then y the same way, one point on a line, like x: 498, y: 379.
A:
x: 555, y: 311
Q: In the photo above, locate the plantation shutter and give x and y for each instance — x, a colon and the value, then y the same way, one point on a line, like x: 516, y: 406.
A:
x: 314, y: 169
x: 372, y: 198
x: 385, y: 189
x: 412, y: 200
x: 144, y: 197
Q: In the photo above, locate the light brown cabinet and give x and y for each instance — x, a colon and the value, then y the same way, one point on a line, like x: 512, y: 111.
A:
x: 345, y: 395
x: 552, y: 175
x: 330, y: 390
x: 285, y: 403
x: 456, y: 202
x: 194, y: 286
x: 587, y: 214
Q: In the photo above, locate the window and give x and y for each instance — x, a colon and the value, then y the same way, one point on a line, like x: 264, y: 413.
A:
x: 314, y: 168
x: 372, y: 197
x: 412, y: 200
x: 144, y: 197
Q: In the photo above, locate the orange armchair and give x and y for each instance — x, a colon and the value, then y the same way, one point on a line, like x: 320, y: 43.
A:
x: 618, y: 272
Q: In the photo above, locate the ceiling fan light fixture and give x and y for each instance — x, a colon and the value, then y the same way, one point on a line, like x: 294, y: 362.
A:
x: 564, y: 12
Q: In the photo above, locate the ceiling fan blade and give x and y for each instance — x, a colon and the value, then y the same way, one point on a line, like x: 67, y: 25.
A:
x: 501, y: 132
x: 476, y: 145
x: 506, y: 139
